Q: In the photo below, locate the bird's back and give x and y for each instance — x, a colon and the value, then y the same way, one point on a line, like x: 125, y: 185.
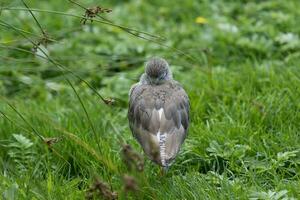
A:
x: 159, y: 117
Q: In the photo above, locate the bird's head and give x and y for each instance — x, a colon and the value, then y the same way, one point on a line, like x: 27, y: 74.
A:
x: 156, y: 71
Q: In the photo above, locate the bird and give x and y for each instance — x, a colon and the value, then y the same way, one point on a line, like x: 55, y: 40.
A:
x: 158, y: 113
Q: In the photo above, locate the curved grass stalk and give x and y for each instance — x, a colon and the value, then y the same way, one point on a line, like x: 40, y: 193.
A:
x: 57, y: 64
x: 31, y: 127
x: 60, y: 66
x: 107, y: 162
x: 81, y: 102
x: 87, y: 115
x: 111, y: 24
x: 82, y: 17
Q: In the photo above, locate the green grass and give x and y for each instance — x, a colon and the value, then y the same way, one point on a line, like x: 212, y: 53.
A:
x: 241, y: 71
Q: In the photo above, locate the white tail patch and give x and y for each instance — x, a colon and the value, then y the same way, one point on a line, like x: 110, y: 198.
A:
x: 160, y: 112
x: 162, y: 147
x: 161, y: 138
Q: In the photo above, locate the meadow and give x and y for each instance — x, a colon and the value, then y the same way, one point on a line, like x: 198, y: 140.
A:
x: 66, y: 68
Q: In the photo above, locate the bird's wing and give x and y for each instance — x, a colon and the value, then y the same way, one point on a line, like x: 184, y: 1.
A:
x: 141, y: 107
x: 143, y: 121
x: 174, y: 123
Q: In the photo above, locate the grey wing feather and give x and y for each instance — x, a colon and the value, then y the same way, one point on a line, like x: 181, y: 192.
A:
x: 143, y: 121
x: 175, y: 123
x: 176, y: 110
x: 141, y: 111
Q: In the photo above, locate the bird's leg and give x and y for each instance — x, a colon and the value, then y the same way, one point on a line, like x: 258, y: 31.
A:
x: 163, y: 170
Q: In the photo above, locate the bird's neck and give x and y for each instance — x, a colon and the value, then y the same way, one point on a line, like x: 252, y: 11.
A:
x: 145, y: 79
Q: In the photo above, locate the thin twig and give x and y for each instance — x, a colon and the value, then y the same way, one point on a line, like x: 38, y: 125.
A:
x: 87, y: 116
x: 54, y: 62
x: 119, y: 26
x: 27, y: 32
x: 129, y: 30
x: 25, y: 129
x: 73, y: 137
x: 37, y: 22
x: 60, y: 66
x: 23, y: 118
x: 111, y: 24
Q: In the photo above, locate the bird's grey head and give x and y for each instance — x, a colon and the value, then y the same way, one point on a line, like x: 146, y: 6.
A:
x: 156, y: 72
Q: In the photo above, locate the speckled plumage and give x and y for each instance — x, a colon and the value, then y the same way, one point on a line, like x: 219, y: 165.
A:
x: 159, y: 113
